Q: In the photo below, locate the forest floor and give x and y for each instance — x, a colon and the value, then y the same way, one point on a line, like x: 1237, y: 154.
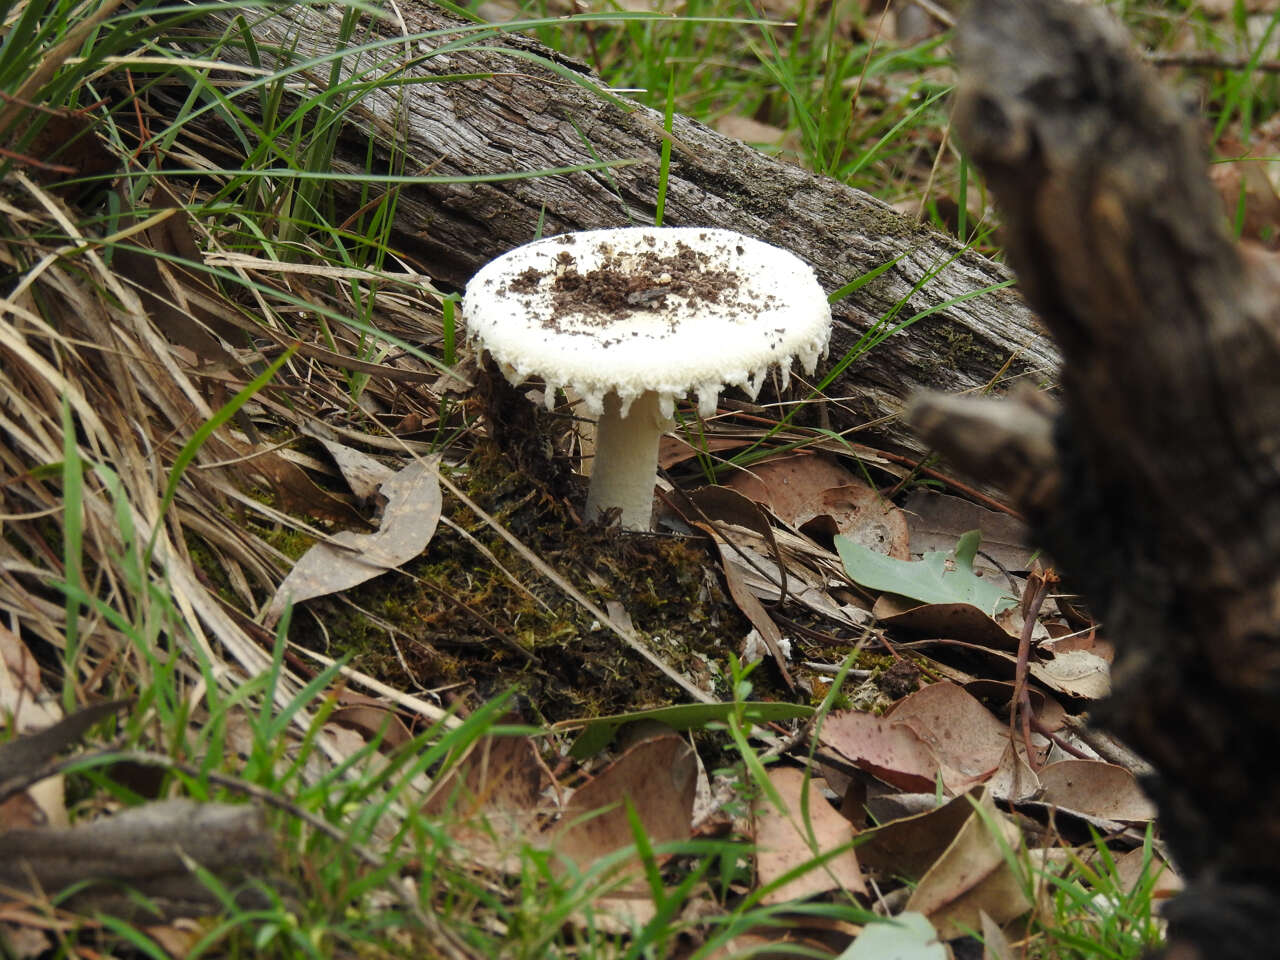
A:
x: 328, y: 664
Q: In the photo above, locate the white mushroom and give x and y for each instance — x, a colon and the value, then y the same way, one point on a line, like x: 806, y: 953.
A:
x: 632, y: 319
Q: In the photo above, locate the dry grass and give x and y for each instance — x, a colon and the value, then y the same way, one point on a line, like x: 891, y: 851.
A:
x: 168, y: 379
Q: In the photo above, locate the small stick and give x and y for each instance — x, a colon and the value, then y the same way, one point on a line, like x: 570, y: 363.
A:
x: 1201, y: 60
x: 1032, y: 599
x: 1065, y: 745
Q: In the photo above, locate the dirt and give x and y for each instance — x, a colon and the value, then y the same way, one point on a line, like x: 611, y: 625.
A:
x: 900, y: 679
x: 626, y: 283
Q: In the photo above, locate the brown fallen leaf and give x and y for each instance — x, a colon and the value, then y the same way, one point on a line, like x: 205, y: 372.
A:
x: 1014, y: 780
x: 995, y: 945
x: 907, y: 847
x: 937, y: 520
x: 498, y: 773
x: 973, y: 875
x: 710, y: 504
x: 997, y: 694
x: 823, y: 498
x: 1096, y: 789
x: 1088, y: 641
x: 895, y: 805
x: 967, y: 740
x: 1248, y: 195
x: 673, y: 448
x: 178, y: 939
x: 371, y: 717
x: 21, y: 812
x: 753, y: 610
x: 1130, y: 869
x: 291, y: 485
x: 658, y: 779
x: 862, y: 514
x: 24, y: 941
x: 885, y: 749
x: 1076, y: 673
x: 363, y: 473
x: 22, y: 698
x: 25, y: 707
x: 783, y: 843
x: 955, y: 621
x: 493, y: 799
x: 791, y: 485
x: 176, y: 296
x: 66, y: 147
x: 408, y: 523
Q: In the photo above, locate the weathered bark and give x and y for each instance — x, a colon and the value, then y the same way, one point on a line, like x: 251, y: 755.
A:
x: 477, y: 104
x: 1166, y: 503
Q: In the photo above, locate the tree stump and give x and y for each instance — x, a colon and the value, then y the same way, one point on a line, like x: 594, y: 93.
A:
x: 1160, y: 493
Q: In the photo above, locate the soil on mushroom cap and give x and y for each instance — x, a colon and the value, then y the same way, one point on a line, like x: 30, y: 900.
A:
x: 628, y: 282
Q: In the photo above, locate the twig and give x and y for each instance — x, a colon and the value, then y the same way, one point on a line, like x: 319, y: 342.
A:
x: 1204, y: 60
x: 943, y: 16
x: 1032, y: 600
x: 441, y: 937
x: 1066, y: 746
x: 1108, y: 748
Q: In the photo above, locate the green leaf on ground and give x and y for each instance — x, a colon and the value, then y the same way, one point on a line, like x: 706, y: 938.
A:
x: 930, y: 580
x: 908, y: 936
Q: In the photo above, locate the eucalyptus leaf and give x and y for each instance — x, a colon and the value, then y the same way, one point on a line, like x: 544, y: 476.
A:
x: 908, y: 936
x: 938, y: 578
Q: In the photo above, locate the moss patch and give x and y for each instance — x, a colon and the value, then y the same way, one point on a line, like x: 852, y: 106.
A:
x: 473, y: 615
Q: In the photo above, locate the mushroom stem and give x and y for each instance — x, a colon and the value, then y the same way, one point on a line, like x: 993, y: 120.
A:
x: 625, y: 467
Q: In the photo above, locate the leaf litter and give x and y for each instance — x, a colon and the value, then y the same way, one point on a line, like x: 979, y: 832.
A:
x: 815, y: 582
x: 938, y: 742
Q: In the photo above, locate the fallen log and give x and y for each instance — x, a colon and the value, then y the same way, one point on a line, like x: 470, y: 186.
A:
x: 155, y: 849
x: 1158, y: 486
x: 477, y: 101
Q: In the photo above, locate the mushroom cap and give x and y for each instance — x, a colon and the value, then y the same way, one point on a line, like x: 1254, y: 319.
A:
x: 674, y: 310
